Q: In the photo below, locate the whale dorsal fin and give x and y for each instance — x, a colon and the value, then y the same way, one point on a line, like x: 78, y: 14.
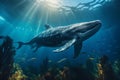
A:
x: 66, y: 46
x: 77, y: 48
x: 47, y: 26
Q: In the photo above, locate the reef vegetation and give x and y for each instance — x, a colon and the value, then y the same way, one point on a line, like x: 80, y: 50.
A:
x: 7, y: 52
x: 101, y: 70
x: 17, y: 73
x: 93, y: 69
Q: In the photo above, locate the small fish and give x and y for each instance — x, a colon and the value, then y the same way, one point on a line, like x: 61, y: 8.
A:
x: 32, y: 59
x: 91, y: 58
x: 61, y: 60
x: 49, y: 61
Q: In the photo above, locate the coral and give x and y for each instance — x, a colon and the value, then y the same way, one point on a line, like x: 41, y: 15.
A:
x: 105, y: 69
x: 18, y: 74
x: 100, y: 72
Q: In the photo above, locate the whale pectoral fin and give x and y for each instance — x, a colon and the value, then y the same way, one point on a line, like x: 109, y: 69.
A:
x: 66, y: 46
x: 77, y: 48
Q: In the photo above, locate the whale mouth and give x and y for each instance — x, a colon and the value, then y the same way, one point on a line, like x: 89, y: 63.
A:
x: 95, y: 27
x: 91, y: 31
x: 90, y: 26
x: 97, y: 24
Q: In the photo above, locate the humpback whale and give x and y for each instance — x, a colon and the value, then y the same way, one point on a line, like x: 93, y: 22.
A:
x: 64, y: 36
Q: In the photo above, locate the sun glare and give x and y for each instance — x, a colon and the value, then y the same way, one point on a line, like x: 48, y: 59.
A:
x: 53, y: 1
x: 50, y: 3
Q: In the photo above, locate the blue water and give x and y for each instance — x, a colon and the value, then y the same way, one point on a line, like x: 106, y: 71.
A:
x: 23, y: 20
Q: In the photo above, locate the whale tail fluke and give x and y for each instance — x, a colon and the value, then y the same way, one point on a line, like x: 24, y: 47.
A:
x: 20, y: 44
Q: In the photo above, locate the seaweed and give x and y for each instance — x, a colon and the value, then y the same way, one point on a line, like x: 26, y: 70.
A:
x: 101, y: 70
x: 7, y: 52
x: 105, y: 69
